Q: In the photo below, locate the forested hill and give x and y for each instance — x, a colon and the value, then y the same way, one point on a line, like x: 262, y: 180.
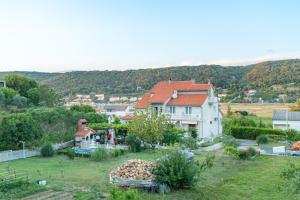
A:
x: 260, y: 75
x: 137, y: 81
x: 38, y: 76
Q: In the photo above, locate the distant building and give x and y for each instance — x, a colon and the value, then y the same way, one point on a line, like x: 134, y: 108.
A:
x: 114, y: 99
x: 285, y: 120
x: 251, y: 93
x: 100, y: 97
x: 133, y: 99
x: 189, y: 105
x: 2, y: 84
x: 117, y: 109
x: 123, y: 98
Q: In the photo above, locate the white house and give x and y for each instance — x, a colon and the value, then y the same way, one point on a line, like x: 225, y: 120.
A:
x: 188, y: 104
x: 286, y: 120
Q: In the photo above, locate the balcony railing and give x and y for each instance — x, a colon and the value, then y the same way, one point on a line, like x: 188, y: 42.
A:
x: 184, y: 117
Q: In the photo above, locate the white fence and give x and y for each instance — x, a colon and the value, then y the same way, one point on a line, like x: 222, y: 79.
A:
x: 18, y: 154
x: 14, y: 155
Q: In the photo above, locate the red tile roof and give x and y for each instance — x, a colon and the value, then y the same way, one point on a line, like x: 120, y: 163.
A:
x: 162, y: 91
x: 188, y: 100
x: 82, y: 133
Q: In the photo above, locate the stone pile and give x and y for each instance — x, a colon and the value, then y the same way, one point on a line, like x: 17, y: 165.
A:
x: 134, y: 170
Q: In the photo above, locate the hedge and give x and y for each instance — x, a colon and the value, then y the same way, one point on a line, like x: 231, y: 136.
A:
x: 252, y: 132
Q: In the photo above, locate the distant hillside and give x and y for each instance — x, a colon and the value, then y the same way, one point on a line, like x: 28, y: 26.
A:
x: 38, y: 76
x: 137, y: 81
x: 130, y: 82
x: 274, y: 73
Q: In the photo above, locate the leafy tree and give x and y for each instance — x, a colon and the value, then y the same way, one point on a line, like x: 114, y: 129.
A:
x: 149, y: 126
x: 82, y: 108
x: 8, y: 94
x: 34, y: 96
x: 20, y: 83
x: 48, y: 96
x: 16, y: 128
x: 19, y: 101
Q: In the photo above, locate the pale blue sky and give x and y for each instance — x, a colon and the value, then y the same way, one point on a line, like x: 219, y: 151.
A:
x: 64, y: 35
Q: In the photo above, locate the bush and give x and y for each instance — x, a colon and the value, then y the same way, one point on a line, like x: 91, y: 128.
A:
x: 47, y: 150
x: 252, y: 132
x: 71, y: 154
x: 176, y: 171
x: 115, y: 152
x: 246, y: 154
x: 171, y: 136
x: 99, y: 155
x: 232, y: 151
x: 292, y: 135
x: 262, y: 139
x: 189, y: 143
x: 134, y: 143
x: 252, y: 151
x: 229, y: 141
x: 193, y: 132
x: 117, y: 194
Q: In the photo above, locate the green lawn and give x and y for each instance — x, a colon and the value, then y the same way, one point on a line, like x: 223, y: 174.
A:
x: 229, y: 179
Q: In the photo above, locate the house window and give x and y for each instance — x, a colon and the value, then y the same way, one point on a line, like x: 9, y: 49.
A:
x: 156, y: 110
x: 172, y: 109
x: 188, y: 110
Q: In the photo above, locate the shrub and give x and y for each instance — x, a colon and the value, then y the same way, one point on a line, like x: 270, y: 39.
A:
x: 99, y: 155
x: 47, y: 150
x: 229, y: 140
x: 262, y: 139
x: 122, y: 151
x: 134, y: 143
x: 232, y: 151
x: 176, y: 171
x: 247, y: 153
x: 193, y: 132
x: 252, y: 132
x: 252, y: 151
x: 243, y: 154
x: 189, y: 143
x: 117, y: 194
x: 71, y: 154
x: 115, y: 152
x: 171, y: 136
x: 292, y: 135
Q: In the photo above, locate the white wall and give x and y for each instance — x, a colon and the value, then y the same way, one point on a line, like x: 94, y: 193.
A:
x: 284, y: 125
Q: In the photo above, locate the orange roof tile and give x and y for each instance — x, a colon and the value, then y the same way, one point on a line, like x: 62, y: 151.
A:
x: 162, y: 91
x: 188, y: 100
x: 83, y: 132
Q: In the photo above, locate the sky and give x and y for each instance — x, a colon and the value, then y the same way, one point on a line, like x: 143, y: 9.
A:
x: 66, y: 35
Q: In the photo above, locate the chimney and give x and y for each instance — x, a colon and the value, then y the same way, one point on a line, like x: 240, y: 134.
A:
x: 82, y: 124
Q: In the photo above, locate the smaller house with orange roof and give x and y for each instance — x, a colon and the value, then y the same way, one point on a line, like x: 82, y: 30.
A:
x: 189, y: 105
x: 84, y: 135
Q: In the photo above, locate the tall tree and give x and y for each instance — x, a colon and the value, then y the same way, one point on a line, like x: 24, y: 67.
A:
x: 149, y: 126
x: 20, y: 83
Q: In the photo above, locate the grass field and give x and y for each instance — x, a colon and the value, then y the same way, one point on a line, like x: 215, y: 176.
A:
x: 228, y: 180
x: 261, y: 110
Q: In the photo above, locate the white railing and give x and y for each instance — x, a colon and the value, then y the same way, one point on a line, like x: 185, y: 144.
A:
x: 186, y: 117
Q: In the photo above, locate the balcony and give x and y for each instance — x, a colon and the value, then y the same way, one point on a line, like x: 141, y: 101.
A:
x: 184, y: 117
